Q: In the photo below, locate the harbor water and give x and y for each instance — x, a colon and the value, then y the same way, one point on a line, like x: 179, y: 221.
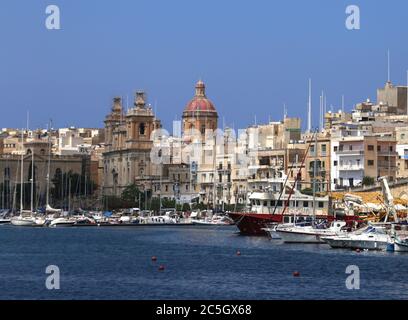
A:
x: 199, y: 263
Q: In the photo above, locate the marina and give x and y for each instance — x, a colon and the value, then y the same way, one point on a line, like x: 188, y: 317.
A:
x: 200, y: 263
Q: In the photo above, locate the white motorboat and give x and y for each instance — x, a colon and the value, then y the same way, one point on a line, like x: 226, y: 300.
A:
x: 309, y: 233
x: 62, y: 222
x: 401, y: 245
x: 214, y: 221
x: 370, y: 238
x: 271, y: 230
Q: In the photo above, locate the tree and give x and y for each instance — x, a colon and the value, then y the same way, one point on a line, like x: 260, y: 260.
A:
x: 132, y: 194
x: 368, y: 181
x: 186, y: 207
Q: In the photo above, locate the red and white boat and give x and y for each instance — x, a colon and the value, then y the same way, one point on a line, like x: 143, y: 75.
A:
x: 272, y: 207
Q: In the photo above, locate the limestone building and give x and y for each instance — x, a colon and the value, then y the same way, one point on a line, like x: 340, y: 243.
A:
x: 128, y: 143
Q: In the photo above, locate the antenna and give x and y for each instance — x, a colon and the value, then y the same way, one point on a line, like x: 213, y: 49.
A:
x: 342, y: 103
x: 28, y: 118
x: 309, y: 119
x: 321, y: 112
x: 407, y: 91
x: 389, y: 68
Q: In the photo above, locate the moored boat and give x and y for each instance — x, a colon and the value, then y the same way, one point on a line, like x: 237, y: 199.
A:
x: 311, y: 233
x: 401, y: 245
x: 370, y: 238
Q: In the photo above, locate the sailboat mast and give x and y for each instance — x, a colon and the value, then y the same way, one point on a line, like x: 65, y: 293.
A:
x: 314, y: 178
x: 32, y: 181
x: 22, y: 173
x: 48, y: 167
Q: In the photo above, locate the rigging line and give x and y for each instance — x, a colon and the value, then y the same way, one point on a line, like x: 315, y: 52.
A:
x: 299, y: 171
x: 297, y: 177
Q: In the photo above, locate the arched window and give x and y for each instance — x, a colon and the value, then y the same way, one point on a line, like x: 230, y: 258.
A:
x: 142, y: 128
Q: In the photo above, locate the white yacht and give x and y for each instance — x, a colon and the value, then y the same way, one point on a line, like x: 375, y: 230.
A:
x: 309, y: 233
x: 28, y: 221
x: 62, y: 222
x: 370, y: 238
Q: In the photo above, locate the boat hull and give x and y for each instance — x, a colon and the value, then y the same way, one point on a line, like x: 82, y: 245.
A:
x: 254, y: 224
x: 23, y: 223
x: 299, y: 237
x: 400, y: 247
x: 357, y: 244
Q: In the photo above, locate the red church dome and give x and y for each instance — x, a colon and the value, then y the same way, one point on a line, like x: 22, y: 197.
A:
x: 200, y: 103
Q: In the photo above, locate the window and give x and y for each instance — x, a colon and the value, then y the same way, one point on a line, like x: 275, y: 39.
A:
x: 370, y: 162
x: 142, y: 128
x: 321, y: 204
x: 323, y: 149
x: 351, y: 147
x: 370, y: 147
x: 335, y: 148
x: 390, y: 148
x: 335, y: 163
x: 202, y: 129
x: 305, y: 204
x: 378, y: 148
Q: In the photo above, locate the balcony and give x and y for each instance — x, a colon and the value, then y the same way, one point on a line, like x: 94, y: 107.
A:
x: 351, y: 167
x: 350, y: 152
x: 387, y: 153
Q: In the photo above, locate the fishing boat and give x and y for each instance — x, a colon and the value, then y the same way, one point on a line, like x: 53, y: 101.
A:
x: 269, y: 207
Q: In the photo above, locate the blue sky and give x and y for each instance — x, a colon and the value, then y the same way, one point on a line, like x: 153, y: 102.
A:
x: 253, y: 55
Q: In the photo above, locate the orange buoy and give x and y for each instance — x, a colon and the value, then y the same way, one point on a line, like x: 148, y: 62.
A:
x: 238, y: 253
x: 154, y: 258
x: 296, y: 274
x: 161, y: 268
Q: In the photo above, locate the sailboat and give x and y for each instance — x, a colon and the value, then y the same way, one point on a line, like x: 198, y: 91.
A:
x: 26, y: 220
x: 48, y: 208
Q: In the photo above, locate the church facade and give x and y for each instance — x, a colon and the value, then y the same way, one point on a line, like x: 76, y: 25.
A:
x: 128, y: 142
